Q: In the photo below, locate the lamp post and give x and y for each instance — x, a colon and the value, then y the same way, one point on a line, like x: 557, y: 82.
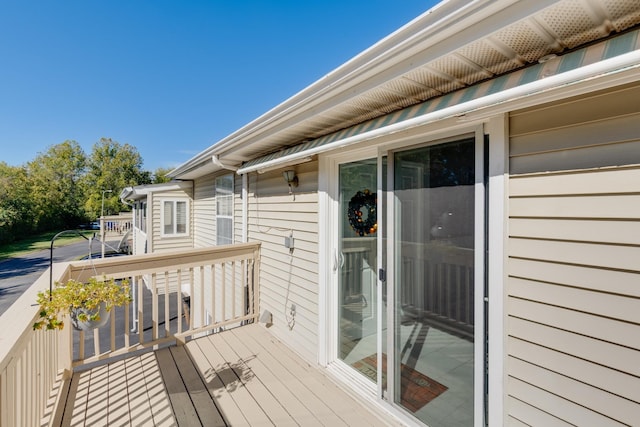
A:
x: 102, y: 220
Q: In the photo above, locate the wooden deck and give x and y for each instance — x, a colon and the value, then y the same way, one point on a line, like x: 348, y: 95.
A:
x: 240, y: 377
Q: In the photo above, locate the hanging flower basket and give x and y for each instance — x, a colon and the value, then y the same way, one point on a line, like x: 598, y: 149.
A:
x: 88, y: 304
x: 95, y: 318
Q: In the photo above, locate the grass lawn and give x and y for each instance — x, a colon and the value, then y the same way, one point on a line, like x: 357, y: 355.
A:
x: 39, y: 242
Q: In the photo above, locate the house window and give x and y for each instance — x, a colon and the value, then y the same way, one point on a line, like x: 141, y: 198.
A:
x: 224, y: 210
x: 174, y: 217
x: 142, y: 216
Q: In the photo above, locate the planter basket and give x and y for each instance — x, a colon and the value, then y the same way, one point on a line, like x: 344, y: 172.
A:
x: 88, y: 325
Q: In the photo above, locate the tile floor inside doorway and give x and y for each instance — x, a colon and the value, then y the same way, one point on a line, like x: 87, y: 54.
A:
x: 441, y: 356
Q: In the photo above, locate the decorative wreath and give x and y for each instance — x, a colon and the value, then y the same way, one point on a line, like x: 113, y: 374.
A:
x: 363, y: 200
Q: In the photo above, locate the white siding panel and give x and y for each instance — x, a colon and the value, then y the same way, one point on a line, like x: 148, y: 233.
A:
x: 611, y: 207
x: 599, y: 181
x: 604, y: 304
x: 582, y: 230
x: 204, y: 212
x: 585, y: 372
x: 624, y: 411
x: 237, y: 209
x: 603, y: 353
x: 288, y: 278
x: 586, y: 277
x: 605, y: 105
x: 558, y: 406
x: 567, y: 318
x: 573, y: 286
x: 586, y: 136
x: 519, y: 411
x: 604, y: 256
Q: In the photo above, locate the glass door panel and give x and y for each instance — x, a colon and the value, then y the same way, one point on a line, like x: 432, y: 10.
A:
x: 357, y: 266
x: 434, y: 212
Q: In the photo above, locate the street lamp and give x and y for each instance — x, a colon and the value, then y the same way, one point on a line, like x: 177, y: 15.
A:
x: 102, y: 230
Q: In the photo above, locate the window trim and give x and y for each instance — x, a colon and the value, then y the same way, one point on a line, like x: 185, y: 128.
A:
x: 175, y: 202
x: 230, y: 193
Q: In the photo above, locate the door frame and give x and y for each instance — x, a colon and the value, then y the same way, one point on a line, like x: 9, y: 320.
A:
x: 496, y: 128
x: 328, y: 306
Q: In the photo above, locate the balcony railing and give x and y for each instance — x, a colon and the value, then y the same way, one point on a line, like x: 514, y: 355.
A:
x: 176, y: 296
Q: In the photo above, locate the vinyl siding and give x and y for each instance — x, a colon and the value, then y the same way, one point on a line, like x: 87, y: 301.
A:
x: 286, y: 278
x: 573, y: 262
x: 204, y: 225
x: 204, y: 212
x: 160, y: 242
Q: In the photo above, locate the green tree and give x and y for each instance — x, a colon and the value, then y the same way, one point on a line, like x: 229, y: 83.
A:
x: 111, y: 166
x: 160, y: 175
x: 55, y: 186
x: 16, y: 208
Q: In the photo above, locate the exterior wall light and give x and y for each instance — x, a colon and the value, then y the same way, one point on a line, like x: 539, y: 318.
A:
x: 291, y: 179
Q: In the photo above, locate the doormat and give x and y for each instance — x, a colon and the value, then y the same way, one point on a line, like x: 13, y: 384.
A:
x: 417, y: 389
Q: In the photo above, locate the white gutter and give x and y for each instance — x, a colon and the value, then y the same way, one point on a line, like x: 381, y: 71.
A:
x: 598, y: 69
x: 216, y: 161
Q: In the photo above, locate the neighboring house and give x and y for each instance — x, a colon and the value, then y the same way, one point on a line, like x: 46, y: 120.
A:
x: 161, y: 216
x: 462, y: 242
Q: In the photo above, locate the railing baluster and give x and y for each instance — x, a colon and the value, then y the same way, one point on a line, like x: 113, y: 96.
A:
x: 96, y: 342
x: 140, y: 309
x: 167, y: 319
x: 113, y: 329
x: 223, y: 286
x: 127, y: 329
x: 213, y: 293
x: 201, y: 296
x: 80, y: 344
x: 179, y: 301
x: 192, y: 287
x: 154, y: 307
x: 233, y: 289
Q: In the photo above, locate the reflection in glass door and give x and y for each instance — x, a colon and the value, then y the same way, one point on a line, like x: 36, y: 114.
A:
x: 434, y: 213
x: 356, y: 260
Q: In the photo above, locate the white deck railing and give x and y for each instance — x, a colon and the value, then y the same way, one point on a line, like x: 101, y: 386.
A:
x: 176, y: 296
x: 116, y: 224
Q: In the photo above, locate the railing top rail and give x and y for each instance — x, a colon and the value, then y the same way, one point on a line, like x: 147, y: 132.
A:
x: 160, y: 261
x: 124, y: 215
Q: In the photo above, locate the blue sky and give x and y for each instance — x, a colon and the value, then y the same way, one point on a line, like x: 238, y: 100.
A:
x: 168, y: 77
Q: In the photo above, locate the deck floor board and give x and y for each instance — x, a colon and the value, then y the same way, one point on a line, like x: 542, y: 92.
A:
x: 239, y: 377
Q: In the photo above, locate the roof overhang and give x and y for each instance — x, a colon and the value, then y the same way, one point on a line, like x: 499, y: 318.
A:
x: 454, y: 46
x: 140, y: 192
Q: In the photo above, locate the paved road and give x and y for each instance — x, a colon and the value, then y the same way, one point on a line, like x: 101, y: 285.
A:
x: 17, y: 274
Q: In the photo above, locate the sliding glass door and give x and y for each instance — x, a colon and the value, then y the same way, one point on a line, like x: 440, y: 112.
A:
x: 356, y: 261
x: 405, y: 266
x: 433, y: 283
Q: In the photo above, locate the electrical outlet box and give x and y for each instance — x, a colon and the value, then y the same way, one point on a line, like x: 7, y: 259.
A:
x: 288, y: 242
